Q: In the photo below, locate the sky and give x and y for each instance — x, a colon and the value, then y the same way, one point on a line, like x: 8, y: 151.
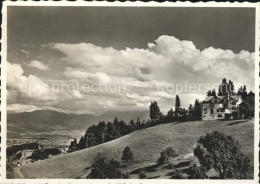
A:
x: 140, y: 54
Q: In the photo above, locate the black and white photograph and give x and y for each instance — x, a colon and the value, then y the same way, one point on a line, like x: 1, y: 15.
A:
x: 131, y: 92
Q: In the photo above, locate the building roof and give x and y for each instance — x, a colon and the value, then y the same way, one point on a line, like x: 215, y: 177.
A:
x: 234, y: 97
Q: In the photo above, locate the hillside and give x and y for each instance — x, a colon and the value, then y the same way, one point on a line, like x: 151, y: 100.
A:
x: 146, y: 145
x: 49, y: 120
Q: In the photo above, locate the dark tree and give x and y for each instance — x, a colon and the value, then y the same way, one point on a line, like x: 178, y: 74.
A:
x: 100, y: 132
x: 82, y: 143
x: 170, y: 116
x: 138, y: 124
x: 197, y: 110
x: 190, y: 110
x: 166, y: 154
x: 155, y: 112
x: 127, y: 155
x: 213, y: 93
x: 246, y: 108
x: 177, y: 106
x: 209, y: 93
x: 162, y: 159
x: 123, y: 128
x: 117, y: 126
x: 73, y: 145
x: 244, y: 89
x: 225, y: 88
x: 222, y: 152
x: 112, y: 132
x: 240, y: 91
x: 132, y: 125
x: 103, y: 168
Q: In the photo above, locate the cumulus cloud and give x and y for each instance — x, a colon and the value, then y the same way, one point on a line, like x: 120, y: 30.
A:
x: 38, y: 65
x: 166, y: 61
x: 97, y: 77
x: 21, y: 86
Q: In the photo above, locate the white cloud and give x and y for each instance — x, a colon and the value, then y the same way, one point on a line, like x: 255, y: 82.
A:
x: 21, y: 86
x: 38, y: 65
x: 21, y: 108
x: 77, y: 94
x: 97, y: 77
x: 168, y: 60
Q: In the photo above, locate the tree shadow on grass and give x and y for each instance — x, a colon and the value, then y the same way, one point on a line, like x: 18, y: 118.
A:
x: 148, y: 169
x: 183, y: 164
x: 87, y: 168
x: 237, y: 123
x: 153, y: 177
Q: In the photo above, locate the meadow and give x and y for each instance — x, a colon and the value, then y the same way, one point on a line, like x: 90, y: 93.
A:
x: 146, y: 146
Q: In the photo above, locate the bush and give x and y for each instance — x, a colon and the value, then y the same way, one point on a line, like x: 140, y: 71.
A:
x: 177, y: 175
x: 103, y: 168
x: 142, y: 174
x: 166, y: 154
x: 126, y: 175
x: 39, y: 155
x: 222, y: 152
x: 196, y: 172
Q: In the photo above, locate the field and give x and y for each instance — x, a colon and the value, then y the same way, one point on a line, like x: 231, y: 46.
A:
x: 59, y: 139
x: 146, y: 145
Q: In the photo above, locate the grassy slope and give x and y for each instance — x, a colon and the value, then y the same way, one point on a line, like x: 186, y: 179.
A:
x: 146, y: 145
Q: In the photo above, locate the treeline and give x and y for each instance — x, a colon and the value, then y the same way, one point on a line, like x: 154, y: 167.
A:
x: 42, y: 154
x: 10, y: 151
x: 107, y: 131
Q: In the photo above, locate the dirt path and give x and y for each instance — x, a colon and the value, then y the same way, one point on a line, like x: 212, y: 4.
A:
x: 17, y: 172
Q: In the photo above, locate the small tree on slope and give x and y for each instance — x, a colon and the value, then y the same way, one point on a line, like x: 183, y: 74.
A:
x: 127, y: 155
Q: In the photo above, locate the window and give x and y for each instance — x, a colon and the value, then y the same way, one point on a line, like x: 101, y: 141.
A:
x: 233, y: 103
x: 211, y: 111
x: 234, y: 108
x: 205, y: 111
x: 216, y: 101
x: 217, y: 110
x: 222, y: 110
x: 219, y: 115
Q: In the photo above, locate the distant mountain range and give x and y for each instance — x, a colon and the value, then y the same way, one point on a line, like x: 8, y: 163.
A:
x: 50, y: 120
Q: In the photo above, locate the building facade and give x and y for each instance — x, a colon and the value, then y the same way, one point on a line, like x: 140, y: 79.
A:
x: 221, y: 107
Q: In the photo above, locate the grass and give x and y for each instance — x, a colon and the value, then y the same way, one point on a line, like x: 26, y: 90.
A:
x: 146, y: 145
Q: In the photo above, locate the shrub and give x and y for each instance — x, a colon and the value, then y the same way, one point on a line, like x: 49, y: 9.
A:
x: 103, y: 168
x: 177, y: 174
x: 126, y: 175
x: 196, y: 172
x: 222, y: 152
x: 142, y: 174
x: 39, y: 155
x: 166, y: 154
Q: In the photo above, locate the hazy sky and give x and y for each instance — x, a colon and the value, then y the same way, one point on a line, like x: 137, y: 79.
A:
x: 140, y: 48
